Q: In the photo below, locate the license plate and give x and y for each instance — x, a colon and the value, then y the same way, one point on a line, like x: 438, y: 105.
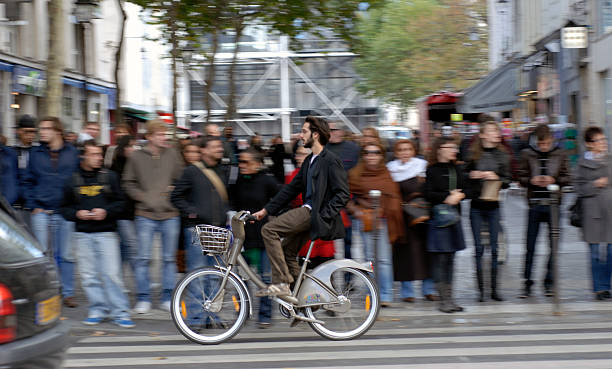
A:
x: 49, y: 310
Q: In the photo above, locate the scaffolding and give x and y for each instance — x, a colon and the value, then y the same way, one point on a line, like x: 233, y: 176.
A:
x: 276, y: 88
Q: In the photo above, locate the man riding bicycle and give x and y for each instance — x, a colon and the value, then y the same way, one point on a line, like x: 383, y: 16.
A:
x: 322, y: 181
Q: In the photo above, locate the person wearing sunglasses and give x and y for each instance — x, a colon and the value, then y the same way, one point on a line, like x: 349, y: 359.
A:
x: 444, y: 187
x: 379, y: 221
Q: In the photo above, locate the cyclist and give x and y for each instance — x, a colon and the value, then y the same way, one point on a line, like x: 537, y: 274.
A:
x: 322, y: 181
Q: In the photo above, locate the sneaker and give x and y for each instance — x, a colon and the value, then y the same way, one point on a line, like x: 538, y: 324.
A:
x: 165, y: 306
x: 142, y: 307
x: 70, y: 302
x: 548, y: 291
x: 264, y: 325
x: 92, y: 321
x: 124, y: 322
x: 280, y: 289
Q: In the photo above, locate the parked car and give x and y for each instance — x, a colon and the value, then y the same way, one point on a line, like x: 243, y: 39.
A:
x: 31, y: 333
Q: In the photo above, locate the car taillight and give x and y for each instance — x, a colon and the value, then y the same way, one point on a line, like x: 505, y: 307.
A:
x: 8, y: 318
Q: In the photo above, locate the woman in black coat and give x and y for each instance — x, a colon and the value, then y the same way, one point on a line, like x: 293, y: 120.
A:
x: 444, y: 184
x: 252, y: 190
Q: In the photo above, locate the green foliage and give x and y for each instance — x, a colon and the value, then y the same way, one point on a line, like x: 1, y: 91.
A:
x: 409, y: 49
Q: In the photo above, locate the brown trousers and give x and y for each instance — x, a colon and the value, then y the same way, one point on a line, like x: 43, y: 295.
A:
x: 293, y: 227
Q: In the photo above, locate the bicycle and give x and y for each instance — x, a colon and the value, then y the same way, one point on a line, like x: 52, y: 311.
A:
x: 338, y: 299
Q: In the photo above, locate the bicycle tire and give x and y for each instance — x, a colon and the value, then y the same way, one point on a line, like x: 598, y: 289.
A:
x: 372, y: 306
x: 197, y: 323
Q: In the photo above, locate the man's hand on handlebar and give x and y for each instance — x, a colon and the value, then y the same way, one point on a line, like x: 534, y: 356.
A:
x: 261, y: 214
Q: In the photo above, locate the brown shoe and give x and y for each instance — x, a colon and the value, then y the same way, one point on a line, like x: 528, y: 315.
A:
x: 431, y: 297
x: 408, y: 299
x: 70, y: 302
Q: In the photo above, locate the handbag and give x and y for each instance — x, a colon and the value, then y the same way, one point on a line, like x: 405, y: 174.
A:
x: 576, y: 213
x: 418, y: 210
x: 444, y: 215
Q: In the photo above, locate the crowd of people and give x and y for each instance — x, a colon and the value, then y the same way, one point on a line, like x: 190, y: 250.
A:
x: 99, y: 208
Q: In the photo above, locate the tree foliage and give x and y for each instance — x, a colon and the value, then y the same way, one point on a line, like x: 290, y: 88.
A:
x: 409, y: 49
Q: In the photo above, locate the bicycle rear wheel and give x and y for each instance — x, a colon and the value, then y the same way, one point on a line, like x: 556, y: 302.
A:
x: 356, y: 315
x: 204, y: 321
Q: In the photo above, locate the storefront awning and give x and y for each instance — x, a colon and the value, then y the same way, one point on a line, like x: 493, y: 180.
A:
x: 497, y: 92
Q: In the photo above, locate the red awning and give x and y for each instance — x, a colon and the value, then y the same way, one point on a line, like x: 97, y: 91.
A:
x: 443, y: 98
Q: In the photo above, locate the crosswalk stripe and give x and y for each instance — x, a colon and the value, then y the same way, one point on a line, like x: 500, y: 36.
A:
x: 394, y: 331
x: 337, y: 355
x: 570, y: 364
x: 355, y: 343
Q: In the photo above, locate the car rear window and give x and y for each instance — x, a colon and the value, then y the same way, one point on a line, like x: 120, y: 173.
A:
x: 16, y: 245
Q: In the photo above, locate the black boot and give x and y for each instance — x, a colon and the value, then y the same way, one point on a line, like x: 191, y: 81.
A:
x: 451, y: 302
x: 527, y: 290
x: 443, y: 303
x: 479, y: 277
x: 494, y: 295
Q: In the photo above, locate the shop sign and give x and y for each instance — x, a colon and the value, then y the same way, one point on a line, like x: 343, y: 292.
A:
x: 574, y: 37
x: 29, y: 81
x: 456, y: 117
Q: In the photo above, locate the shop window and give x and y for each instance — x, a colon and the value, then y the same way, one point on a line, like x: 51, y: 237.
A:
x: 67, y: 106
x: 606, y: 16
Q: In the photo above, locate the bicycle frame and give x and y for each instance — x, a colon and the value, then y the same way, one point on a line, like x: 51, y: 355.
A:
x: 322, y: 292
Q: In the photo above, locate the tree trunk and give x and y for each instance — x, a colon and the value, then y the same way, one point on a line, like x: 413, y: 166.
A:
x: 210, y: 78
x: 118, y: 112
x: 174, y: 53
x: 55, y: 61
x: 231, y: 104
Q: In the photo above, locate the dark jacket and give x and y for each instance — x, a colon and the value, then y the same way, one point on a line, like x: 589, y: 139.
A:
x: 86, y: 190
x: 277, y: 154
x: 197, y: 198
x: 330, y: 195
x: 529, y: 167
x: 252, y: 193
x: 494, y: 160
x: 45, y: 180
x: 596, y: 202
x: 8, y: 170
x: 23, y: 157
x: 347, y: 151
x: 448, y: 239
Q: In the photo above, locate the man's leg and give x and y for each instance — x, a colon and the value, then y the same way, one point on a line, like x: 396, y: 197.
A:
x: 596, y: 267
x: 40, y: 227
x: 548, y: 278
x: 533, y: 227
x: 62, y: 237
x: 109, y: 260
x: 292, y: 222
x: 145, y: 229
x: 493, y: 216
x: 407, y: 291
x: 607, y: 273
x: 170, y: 229
x: 291, y: 248
x: 476, y: 216
x: 89, y: 265
x: 194, y: 258
x: 265, y: 304
x: 129, y: 241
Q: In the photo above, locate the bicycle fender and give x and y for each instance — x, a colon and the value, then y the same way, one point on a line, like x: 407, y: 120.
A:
x: 241, y: 281
x: 312, y: 293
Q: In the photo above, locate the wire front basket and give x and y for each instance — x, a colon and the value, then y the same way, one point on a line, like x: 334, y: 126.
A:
x: 213, y: 240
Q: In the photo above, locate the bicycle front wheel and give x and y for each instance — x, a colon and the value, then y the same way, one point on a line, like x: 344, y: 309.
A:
x: 199, y: 318
x: 357, y: 311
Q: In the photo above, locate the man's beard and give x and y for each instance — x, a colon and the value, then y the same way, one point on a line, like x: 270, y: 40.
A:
x: 308, y: 143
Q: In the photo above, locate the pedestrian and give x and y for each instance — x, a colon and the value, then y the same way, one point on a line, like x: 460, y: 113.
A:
x: 348, y: 152
x: 91, y: 131
x: 488, y: 169
x: 125, y: 222
x: 541, y: 165
x: 148, y: 179
x: 49, y: 168
x: 121, y: 130
x: 411, y: 262
x: 252, y: 191
x: 212, y: 129
x: 8, y: 170
x: 444, y: 185
x: 201, y: 196
x: 256, y: 142
x: 324, y: 188
x: 93, y: 200
x: 369, y: 135
x: 594, y: 188
x: 26, y: 133
x: 277, y: 154
x: 230, y: 147
x: 379, y: 224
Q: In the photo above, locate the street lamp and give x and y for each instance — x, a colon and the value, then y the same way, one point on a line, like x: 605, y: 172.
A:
x: 84, y: 12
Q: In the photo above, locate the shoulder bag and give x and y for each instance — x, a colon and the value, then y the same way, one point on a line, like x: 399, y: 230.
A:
x: 444, y: 215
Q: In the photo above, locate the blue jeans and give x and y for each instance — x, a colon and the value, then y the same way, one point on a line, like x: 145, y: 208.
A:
x: 427, y: 288
x: 194, y: 258
x: 477, y: 216
x: 146, y: 229
x: 383, y: 265
x: 601, y: 268
x: 537, y: 214
x: 100, y: 268
x: 128, y: 242
x: 57, y: 229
